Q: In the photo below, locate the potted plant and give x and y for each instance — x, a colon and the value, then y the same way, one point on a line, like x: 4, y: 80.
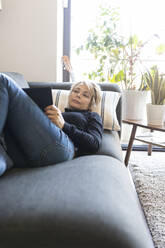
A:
x: 127, y: 75
x: 118, y: 61
x: 133, y: 101
x: 156, y: 84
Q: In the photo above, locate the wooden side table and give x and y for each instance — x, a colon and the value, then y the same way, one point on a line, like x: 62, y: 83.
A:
x: 149, y: 139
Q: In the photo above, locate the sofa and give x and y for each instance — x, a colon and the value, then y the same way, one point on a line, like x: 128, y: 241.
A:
x: 88, y: 202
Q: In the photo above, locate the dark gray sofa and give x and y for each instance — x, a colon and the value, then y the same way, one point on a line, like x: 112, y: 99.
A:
x: 87, y: 202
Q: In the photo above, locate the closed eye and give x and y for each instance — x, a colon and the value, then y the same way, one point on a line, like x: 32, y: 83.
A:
x: 76, y: 91
x: 86, y: 95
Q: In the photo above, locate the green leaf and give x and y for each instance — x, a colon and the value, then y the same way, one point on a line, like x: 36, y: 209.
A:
x: 160, y: 49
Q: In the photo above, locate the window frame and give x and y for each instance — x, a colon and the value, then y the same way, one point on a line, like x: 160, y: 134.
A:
x: 67, y: 37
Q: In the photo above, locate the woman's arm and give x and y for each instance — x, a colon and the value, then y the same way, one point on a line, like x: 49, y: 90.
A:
x: 87, y: 141
x: 68, y: 67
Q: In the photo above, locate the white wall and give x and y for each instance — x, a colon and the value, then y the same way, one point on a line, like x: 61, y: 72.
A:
x: 28, y: 38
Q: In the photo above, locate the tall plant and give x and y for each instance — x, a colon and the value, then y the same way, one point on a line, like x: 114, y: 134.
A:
x: 130, y: 62
x: 118, y: 60
x: 103, y: 42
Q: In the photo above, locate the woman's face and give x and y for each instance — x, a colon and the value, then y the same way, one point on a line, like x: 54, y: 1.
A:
x: 80, y: 97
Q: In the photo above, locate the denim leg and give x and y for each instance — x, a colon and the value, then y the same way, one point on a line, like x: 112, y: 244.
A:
x: 41, y: 141
x: 14, y: 150
x: 5, y: 161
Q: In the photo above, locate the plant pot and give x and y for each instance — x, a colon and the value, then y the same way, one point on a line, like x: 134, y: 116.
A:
x: 155, y: 114
x: 133, y: 104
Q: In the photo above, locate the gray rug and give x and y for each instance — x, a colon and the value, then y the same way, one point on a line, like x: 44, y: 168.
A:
x: 149, y: 180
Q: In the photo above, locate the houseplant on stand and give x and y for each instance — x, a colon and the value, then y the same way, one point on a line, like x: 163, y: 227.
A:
x: 134, y: 96
x: 118, y: 61
x: 156, y: 84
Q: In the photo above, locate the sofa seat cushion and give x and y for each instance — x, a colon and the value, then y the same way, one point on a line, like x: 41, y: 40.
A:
x: 86, y: 202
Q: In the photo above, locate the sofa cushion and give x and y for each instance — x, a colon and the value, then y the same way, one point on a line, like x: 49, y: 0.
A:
x: 106, y: 109
x: 87, y: 202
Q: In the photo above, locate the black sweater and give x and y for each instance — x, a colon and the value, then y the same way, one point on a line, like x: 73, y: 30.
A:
x: 85, y: 130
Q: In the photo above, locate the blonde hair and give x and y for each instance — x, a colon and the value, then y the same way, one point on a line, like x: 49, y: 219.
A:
x: 94, y: 90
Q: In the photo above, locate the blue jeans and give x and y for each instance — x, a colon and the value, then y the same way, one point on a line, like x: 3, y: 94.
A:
x: 31, y: 138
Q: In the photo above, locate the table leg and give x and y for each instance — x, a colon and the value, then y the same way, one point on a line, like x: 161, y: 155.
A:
x: 149, y: 149
x: 130, y: 144
x: 150, y: 146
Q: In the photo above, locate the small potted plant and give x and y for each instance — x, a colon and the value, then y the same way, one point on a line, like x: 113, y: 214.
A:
x: 156, y: 84
x: 134, y: 102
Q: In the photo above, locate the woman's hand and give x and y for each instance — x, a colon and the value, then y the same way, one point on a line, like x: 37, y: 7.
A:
x: 54, y: 114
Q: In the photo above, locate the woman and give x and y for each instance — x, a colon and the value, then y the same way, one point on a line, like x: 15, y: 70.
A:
x: 34, y: 138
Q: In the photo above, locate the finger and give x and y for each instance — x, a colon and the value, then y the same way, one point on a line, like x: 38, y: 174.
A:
x: 51, y: 111
x: 52, y: 116
x: 51, y: 107
x: 48, y: 107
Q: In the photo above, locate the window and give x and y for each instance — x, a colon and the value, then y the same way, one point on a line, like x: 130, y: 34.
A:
x: 142, y: 19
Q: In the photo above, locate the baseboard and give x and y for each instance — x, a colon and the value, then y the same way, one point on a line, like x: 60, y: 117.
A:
x: 142, y: 148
